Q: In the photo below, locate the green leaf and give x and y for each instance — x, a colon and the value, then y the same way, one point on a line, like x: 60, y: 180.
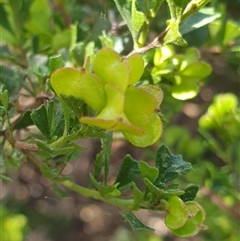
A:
x: 199, y: 70
x: 5, y: 178
x: 138, y: 18
x: 190, y: 193
x: 133, y: 17
x: 105, y: 190
x: 57, y: 126
x: 13, y: 80
x: 129, y: 172
x: 59, y: 192
x: 72, y: 104
x: 67, y: 149
x: 147, y: 171
x: 138, y: 196
x: 52, y: 173
x: 4, y: 98
x: 40, y: 119
x: 176, y: 8
x: 24, y: 121
x: 103, y: 157
x: 170, y: 166
x: 173, y: 35
x: 55, y: 62
x: 198, y: 20
x: 186, y: 90
x: 4, y: 19
x: 134, y: 222
x: 157, y: 193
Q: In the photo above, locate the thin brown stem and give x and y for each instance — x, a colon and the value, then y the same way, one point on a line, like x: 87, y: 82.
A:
x: 157, y: 42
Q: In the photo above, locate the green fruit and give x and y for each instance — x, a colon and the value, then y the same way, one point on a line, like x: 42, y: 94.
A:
x: 112, y: 116
x: 136, y: 68
x: 141, y: 108
x: 195, y: 223
x: 69, y: 82
x: 110, y: 68
x: 177, y: 213
x: 153, y: 90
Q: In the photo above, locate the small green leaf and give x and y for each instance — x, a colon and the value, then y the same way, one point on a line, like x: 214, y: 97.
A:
x: 158, y: 193
x: 147, y: 171
x: 67, y: 149
x: 105, y: 190
x: 5, y: 178
x: 24, y: 121
x: 176, y: 8
x: 103, y: 158
x: 174, y: 36
x: 170, y: 166
x: 55, y: 62
x: 135, y: 223
x: 138, y: 196
x: 190, y: 193
x: 59, y: 192
x: 4, y: 98
x: 52, y: 173
x: 138, y: 18
x: 40, y: 119
x: 129, y: 172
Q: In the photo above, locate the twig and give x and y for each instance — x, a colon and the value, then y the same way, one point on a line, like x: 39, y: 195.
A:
x: 154, y: 44
x: 25, y: 146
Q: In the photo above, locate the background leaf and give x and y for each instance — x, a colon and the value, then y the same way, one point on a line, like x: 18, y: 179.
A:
x: 135, y: 223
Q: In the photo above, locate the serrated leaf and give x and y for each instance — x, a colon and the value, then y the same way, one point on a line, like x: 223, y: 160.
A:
x: 24, y: 121
x: 190, y: 193
x: 105, y: 190
x: 147, y: 171
x: 134, y: 222
x: 57, y: 126
x: 128, y: 173
x: 40, y: 119
x: 170, y: 166
x: 158, y: 193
